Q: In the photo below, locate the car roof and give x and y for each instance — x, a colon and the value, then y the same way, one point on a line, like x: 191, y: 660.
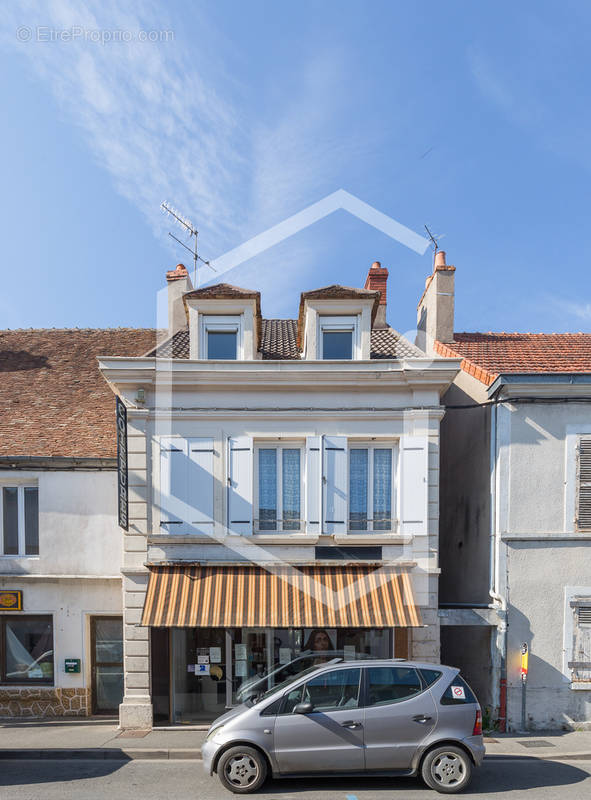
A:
x: 384, y: 662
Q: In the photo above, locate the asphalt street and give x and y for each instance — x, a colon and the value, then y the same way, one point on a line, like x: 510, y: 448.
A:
x: 509, y: 779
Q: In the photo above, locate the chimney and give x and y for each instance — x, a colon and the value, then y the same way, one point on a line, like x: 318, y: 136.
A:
x: 376, y: 281
x: 435, y: 312
x: 179, y: 283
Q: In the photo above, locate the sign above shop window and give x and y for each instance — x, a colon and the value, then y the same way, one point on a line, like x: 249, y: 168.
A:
x: 11, y: 600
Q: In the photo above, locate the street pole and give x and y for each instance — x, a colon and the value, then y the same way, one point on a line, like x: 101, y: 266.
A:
x: 524, y: 665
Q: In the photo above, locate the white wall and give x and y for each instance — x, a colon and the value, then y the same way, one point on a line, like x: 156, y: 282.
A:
x: 78, y: 530
x: 70, y: 603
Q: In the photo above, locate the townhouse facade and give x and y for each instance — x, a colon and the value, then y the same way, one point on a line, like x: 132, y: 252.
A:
x: 283, y: 494
x: 515, y: 530
x: 61, y: 642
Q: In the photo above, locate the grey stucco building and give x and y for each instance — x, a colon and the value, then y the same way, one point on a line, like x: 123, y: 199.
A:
x: 515, y: 525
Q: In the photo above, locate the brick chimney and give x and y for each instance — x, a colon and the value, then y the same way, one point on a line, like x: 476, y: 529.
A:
x: 179, y: 283
x: 376, y: 281
x: 435, y: 312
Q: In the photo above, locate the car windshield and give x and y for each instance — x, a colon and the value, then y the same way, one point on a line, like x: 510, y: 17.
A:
x: 283, y: 684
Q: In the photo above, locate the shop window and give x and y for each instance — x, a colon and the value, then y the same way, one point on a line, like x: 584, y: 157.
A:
x: 279, y: 491
x: 580, y: 662
x: 391, y: 685
x: 370, y: 488
x: 26, y: 649
x: 19, y: 520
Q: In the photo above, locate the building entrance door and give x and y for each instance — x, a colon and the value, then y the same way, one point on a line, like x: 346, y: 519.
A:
x: 106, y: 637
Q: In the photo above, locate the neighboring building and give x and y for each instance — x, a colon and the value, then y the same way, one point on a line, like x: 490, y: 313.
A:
x: 60, y: 546
x: 515, y: 528
x: 283, y: 488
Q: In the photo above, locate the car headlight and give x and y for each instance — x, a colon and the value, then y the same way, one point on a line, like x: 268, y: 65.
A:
x: 213, y: 733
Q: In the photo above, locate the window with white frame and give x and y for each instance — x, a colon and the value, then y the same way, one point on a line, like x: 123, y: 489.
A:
x: 221, y: 338
x: 338, y: 338
x: 371, y: 487
x: 19, y: 520
x: 278, y: 490
x: 580, y: 665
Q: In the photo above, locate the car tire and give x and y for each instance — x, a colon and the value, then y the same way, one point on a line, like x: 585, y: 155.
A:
x: 242, y: 769
x: 447, y: 769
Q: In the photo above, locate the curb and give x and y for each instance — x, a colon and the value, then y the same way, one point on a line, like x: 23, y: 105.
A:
x: 98, y: 753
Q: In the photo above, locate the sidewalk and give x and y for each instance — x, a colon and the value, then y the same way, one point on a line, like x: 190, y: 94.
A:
x: 96, y: 739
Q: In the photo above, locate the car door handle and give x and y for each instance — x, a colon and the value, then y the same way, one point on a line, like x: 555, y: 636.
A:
x: 421, y: 718
x: 350, y: 723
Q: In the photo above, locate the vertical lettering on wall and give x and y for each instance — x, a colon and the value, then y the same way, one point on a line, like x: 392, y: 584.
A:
x: 122, y: 490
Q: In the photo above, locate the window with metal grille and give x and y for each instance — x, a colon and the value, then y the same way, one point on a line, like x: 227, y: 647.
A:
x: 584, y: 484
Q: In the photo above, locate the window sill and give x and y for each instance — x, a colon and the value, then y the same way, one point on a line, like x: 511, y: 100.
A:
x: 581, y: 686
x: 282, y: 538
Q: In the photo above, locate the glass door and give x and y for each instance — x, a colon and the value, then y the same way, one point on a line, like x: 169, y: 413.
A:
x: 199, y: 674
x: 106, y: 635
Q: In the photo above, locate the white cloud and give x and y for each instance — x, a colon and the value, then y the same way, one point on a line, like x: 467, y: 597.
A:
x: 161, y: 119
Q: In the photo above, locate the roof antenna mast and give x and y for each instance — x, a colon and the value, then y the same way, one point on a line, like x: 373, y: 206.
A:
x: 434, y: 242
x: 191, y: 230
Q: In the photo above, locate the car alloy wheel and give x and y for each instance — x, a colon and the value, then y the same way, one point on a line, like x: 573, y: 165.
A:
x: 242, y: 769
x: 447, y: 769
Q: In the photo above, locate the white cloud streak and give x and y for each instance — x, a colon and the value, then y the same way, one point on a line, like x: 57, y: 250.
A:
x: 165, y: 123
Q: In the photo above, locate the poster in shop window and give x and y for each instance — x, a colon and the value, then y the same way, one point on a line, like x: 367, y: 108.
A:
x: 215, y: 655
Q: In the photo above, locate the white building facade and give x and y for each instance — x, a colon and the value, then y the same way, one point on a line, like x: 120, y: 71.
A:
x: 61, y: 640
x: 283, y: 487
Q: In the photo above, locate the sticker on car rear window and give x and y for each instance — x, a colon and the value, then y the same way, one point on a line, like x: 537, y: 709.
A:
x: 458, y: 692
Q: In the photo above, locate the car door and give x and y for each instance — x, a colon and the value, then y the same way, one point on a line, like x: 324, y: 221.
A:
x: 399, y: 714
x: 330, y: 738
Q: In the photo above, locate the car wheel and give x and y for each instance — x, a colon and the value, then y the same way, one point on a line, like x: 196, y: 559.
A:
x: 242, y: 769
x: 447, y: 769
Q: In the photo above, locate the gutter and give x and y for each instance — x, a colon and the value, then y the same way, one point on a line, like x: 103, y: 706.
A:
x: 58, y: 463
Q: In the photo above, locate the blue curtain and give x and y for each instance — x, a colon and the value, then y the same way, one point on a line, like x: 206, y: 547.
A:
x: 291, y: 490
x: 382, y: 490
x: 358, y: 463
x: 268, y: 490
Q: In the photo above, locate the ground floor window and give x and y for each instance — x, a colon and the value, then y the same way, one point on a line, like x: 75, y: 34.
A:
x: 197, y: 673
x: 26, y: 649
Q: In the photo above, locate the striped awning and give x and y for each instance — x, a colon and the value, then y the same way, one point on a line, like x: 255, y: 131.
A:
x: 364, y: 596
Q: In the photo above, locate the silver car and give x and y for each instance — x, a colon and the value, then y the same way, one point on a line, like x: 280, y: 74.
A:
x: 381, y: 717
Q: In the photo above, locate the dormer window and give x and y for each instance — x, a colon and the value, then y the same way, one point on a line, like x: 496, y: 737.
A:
x: 221, y: 338
x: 338, y: 338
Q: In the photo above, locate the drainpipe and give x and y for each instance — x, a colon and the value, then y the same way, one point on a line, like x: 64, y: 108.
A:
x: 499, y: 647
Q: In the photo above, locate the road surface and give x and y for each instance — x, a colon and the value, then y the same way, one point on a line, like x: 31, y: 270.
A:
x: 507, y: 779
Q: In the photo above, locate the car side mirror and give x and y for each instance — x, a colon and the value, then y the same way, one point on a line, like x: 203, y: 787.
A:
x: 303, y: 708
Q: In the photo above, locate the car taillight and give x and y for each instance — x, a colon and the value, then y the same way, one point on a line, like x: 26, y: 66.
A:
x: 478, y: 724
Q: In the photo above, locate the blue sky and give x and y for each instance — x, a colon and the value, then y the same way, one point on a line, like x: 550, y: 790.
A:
x: 469, y: 117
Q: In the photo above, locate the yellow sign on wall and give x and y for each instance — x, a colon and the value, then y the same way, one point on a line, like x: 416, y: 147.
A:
x: 11, y: 600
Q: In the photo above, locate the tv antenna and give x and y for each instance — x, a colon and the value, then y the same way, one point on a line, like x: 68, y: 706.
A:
x: 434, y: 241
x: 188, y: 226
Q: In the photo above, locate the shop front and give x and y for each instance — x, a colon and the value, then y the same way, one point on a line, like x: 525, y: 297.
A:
x: 212, y: 644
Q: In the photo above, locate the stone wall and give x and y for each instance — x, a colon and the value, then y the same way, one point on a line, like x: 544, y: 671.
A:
x: 44, y: 702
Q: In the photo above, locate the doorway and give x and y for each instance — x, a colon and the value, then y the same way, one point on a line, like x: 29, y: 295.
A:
x: 106, y: 642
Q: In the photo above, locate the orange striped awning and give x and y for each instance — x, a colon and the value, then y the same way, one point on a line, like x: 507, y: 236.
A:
x: 283, y: 596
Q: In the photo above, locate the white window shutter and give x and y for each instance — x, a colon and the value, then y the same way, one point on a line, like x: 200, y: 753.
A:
x: 335, y: 484
x: 313, y: 483
x: 200, y: 485
x: 173, y: 485
x: 414, y: 485
x: 240, y: 467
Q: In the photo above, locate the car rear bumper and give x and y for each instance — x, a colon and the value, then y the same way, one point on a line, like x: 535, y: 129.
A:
x: 476, y: 746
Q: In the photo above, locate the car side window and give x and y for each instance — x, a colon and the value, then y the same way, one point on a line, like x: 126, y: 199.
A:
x: 391, y: 685
x: 291, y: 699
x: 458, y: 693
x: 430, y: 676
x: 331, y: 691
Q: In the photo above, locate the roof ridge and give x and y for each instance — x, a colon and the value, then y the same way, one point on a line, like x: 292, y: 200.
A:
x: 77, y: 330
